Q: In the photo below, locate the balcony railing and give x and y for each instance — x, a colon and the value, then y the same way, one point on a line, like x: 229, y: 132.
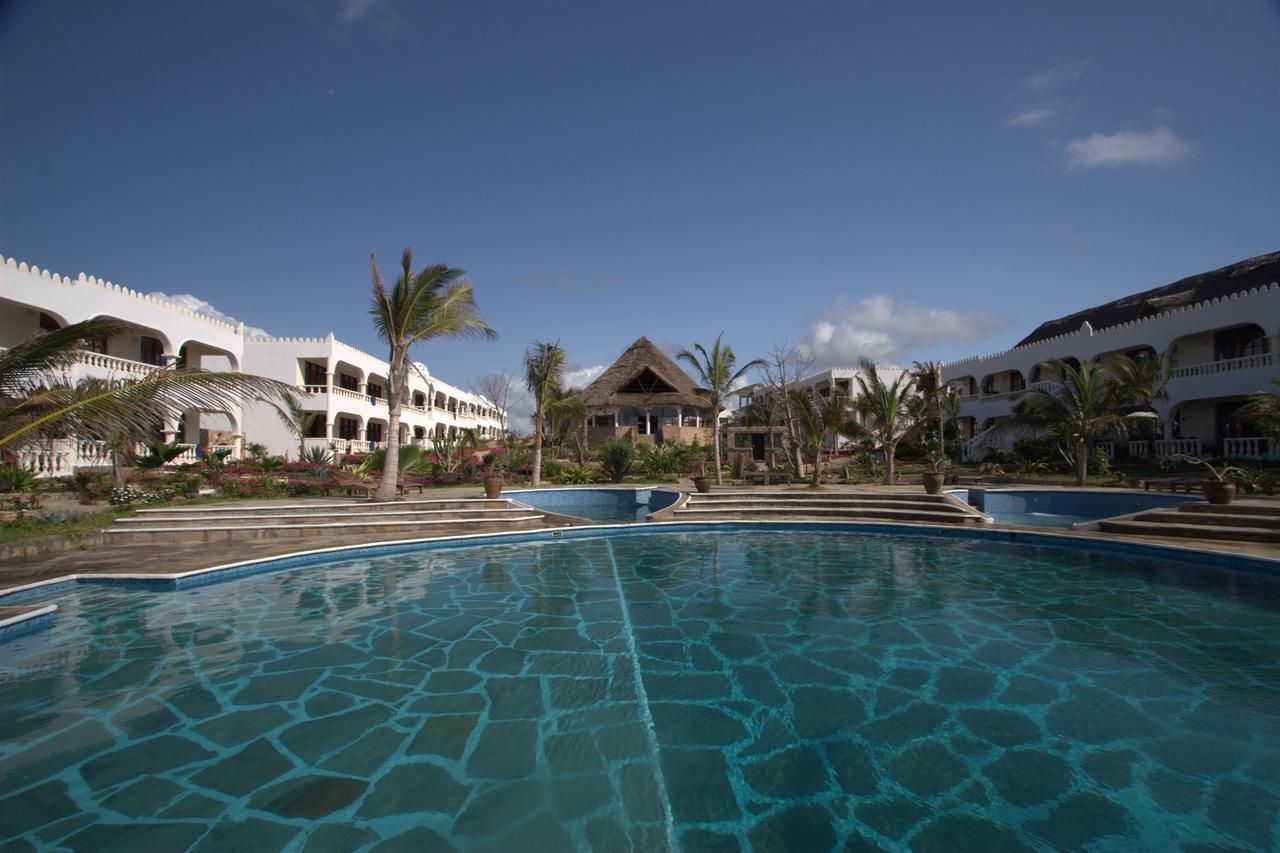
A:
x: 1177, y: 447
x: 1226, y: 365
x: 113, y: 364
x: 1249, y: 448
x: 62, y: 457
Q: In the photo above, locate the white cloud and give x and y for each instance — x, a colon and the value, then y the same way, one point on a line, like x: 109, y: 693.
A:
x: 206, y: 309
x: 583, y: 376
x: 1158, y: 147
x: 1034, y: 117
x: 1051, y: 78
x: 884, y: 330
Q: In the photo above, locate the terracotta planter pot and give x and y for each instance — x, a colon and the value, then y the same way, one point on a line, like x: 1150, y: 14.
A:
x: 933, y: 481
x: 492, y: 485
x: 1219, y: 493
x: 702, y: 484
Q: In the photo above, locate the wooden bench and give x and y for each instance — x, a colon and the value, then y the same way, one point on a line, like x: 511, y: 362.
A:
x: 765, y: 478
x: 1187, y: 483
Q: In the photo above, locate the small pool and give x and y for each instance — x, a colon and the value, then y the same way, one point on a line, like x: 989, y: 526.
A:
x: 620, y: 504
x: 1061, y: 507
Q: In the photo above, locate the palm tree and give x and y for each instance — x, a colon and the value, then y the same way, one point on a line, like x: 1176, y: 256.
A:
x: 1086, y: 406
x: 431, y: 303
x: 716, y: 375
x: 819, y: 424
x: 765, y: 411
x: 37, y: 402
x: 568, y: 418
x: 951, y: 412
x: 886, y: 410
x: 543, y: 373
x: 1142, y: 380
x: 298, y: 421
x: 1263, y: 409
x: 927, y: 376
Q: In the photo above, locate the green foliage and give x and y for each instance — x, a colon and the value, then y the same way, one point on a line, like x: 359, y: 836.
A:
x: 269, y: 463
x: 998, y: 456
x: 18, y: 478
x: 158, y: 454
x: 576, y: 475
x: 317, y: 455
x: 551, y: 469
x: 256, y: 450
x: 1043, y: 450
x: 662, y: 460
x: 735, y: 466
x: 91, y: 484
x: 617, y: 456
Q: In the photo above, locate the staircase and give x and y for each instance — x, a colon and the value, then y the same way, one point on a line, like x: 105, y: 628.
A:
x: 829, y: 506
x: 281, y: 521
x: 1239, y: 521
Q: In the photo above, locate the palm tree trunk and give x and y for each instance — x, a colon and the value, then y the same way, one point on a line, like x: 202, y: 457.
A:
x: 942, y: 433
x: 391, y: 464
x: 888, y: 464
x: 715, y: 432
x: 582, y: 445
x: 537, y: 449
x: 1082, y: 463
x: 817, y: 466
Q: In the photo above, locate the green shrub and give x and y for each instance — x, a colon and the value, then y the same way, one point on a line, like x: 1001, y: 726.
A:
x: 998, y: 456
x: 551, y: 469
x: 661, y: 460
x: 318, y: 455
x: 18, y: 478
x: 91, y: 484
x: 617, y: 456
x: 577, y: 475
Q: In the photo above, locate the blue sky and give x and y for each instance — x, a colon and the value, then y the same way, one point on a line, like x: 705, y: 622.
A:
x: 899, y: 180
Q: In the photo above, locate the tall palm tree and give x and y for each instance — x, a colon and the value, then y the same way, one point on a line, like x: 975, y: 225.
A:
x: 1086, y: 406
x: 543, y: 374
x: 716, y: 375
x: 927, y: 377
x: 885, y: 409
x: 1263, y: 409
x: 431, y: 303
x: 38, y: 402
x: 568, y: 418
x: 951, y: 411
x: 818, y: 424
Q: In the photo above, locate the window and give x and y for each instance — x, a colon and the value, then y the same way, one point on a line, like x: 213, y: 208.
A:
x: 374, y: 432
x: 150, y: 351
x: 312, y: 373
x: 348, y: 428
x: 95, y: 345
x: 48, y: 324
x: 348, y: 382
x: 647, y: 382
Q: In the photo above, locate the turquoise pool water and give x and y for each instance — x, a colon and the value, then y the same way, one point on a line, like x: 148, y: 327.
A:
x: 619, y: 504
x: 1062, y: 507
x: 787, y: 690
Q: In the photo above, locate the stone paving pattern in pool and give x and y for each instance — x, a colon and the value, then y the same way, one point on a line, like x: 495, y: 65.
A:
x: 775, y: 691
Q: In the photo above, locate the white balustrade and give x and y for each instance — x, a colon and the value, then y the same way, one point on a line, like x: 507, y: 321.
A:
x: 1139, y: 449
x: 1226, y: 365
x: 346, y: 392
x: 1248, y: 448
x: 113, y: 364
x: 46, y: 461
x: 1177, y: 447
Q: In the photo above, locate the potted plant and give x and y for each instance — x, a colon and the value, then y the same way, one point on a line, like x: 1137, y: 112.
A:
x: 1220, y: 488
x: 933, y: 480
x: 494, y: 467
x: 701, y: 481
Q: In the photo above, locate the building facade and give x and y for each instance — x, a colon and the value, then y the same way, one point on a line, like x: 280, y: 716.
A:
x: 646, y: 397
x: 1216, y: 333
x: 345, y: 385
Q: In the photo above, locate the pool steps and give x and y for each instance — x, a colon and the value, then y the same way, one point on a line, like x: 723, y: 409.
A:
x: 1242, y: 521
x: 935, y: 509
x: 215, y: 524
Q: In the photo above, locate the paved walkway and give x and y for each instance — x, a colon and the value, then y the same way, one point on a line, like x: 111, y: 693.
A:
x: 167, y: 558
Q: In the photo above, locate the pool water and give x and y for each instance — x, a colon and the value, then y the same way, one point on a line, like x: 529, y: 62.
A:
x: 775, y: 690
x: 620, y: 504
x: 1063, y: 508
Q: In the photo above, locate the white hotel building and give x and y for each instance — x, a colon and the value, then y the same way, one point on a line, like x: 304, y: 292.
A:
x: 1216, y: 332
x: 342, y: 384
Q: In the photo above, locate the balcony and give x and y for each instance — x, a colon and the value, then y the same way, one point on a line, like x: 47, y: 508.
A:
x: 1226, y: 365
x: 1250, y: 448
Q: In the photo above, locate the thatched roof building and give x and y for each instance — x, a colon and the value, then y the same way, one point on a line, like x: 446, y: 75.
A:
x: 1243, y: 275
x: 645, y: 393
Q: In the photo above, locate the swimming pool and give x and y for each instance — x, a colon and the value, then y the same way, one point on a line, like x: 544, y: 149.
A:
x: 605, y: 504
x: 1062, y: 507
x: 783, y: 688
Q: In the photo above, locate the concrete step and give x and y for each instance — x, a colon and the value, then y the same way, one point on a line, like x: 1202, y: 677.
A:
x: 1191, y: 531
x: 312, y: 518
x: 1215, y: 519
x: 749, y: 504
x: 802, y: 495
x: 1245, y: 507
x: 825, y: 513
x: 336, y: 506
x: 410, y: 529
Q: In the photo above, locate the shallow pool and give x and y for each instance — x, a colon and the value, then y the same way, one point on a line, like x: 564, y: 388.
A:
x: 780, y: 690
x: 1062, y: 507
x: 616, y: 504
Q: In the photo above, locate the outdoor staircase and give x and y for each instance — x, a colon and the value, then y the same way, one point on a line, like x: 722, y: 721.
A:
x: 1240, y: 521
x: 339, y: 519
x: 827, y: 506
